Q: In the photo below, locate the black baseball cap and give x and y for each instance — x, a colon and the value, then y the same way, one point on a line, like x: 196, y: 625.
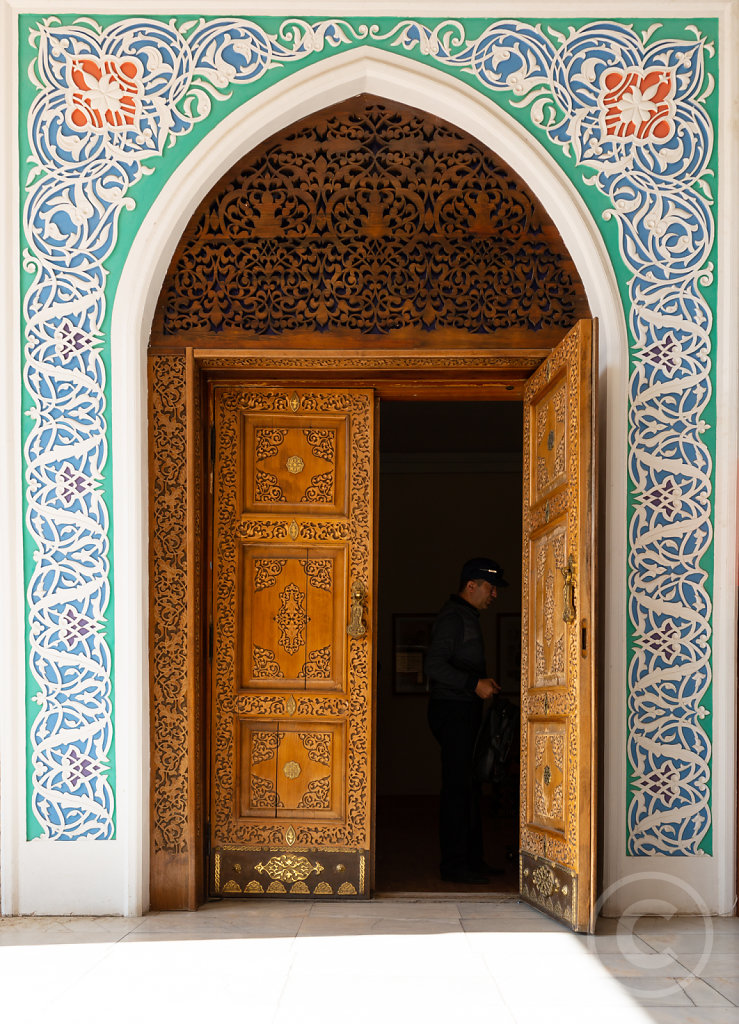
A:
x: 482, y: 569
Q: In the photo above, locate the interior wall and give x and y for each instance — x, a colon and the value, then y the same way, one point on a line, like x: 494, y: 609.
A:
x: 450, y: 489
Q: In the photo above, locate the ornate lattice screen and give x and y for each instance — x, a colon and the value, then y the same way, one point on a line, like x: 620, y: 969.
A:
x: 370, y: 219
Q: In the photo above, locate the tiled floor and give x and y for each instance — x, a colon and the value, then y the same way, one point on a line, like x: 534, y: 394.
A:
x: 384, y: 961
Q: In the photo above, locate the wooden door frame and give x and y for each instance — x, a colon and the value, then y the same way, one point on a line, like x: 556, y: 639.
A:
x: 179, y: 457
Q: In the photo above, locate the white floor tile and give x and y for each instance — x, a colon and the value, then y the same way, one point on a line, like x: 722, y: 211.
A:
x: 406, y: 909
x: 385, y: 960
x: 698, y: 1015
x: 352, y: 998
x: 727, y: 987
x: 723, y: 965
x: 706, y: 993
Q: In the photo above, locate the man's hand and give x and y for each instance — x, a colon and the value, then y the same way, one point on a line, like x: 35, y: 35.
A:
x: 486, y: 688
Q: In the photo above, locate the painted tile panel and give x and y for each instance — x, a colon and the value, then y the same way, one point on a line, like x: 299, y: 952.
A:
x: 626, y: 112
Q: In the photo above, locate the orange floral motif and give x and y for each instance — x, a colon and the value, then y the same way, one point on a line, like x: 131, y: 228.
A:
x: 638, y: 105
x: 104, y: 93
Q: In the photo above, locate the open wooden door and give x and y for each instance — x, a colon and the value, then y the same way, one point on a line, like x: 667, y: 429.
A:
x: 290, y: 782
x: 558, y: 757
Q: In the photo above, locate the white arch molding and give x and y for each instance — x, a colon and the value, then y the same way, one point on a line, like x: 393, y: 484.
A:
x: 331, y: 80
x: 308, y: 90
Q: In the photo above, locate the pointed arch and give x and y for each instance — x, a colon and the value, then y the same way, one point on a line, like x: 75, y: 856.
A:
x: 310, y: 89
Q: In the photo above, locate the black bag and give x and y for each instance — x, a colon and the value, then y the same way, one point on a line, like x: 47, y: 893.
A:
x: 495, y: 740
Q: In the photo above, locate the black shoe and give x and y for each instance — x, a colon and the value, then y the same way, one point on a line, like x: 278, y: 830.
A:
x: 464, y: 875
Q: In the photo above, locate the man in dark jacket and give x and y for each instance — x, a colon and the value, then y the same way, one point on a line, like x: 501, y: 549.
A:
x: 458, y: 685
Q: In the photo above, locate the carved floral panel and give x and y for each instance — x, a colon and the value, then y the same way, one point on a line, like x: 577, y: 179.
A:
x: 548, y: 638
x: 548, y: 779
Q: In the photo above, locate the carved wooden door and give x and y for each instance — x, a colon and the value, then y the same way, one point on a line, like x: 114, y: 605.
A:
x: 557, y: 859
x: 291, y: 663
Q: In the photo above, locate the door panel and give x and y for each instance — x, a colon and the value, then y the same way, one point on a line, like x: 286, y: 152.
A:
x: 557, y: 860
x: 291, y: 689
x: 257, y: 790
x: 273, y: 613
x: 309, y: 776
x: 295, y: 466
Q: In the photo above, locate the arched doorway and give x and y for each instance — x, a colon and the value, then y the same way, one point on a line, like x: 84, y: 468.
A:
x: 366, y: 228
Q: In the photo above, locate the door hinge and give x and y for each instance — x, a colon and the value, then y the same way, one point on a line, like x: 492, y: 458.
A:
x: 210, y: 641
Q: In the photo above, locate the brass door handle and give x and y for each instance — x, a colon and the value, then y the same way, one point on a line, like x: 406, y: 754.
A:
x: 356, y: 628
x: 568, y: 610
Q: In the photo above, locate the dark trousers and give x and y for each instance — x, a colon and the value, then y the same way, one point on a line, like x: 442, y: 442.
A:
x: 455, y: 724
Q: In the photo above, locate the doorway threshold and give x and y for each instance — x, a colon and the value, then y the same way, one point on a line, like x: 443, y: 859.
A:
x: 449, y: 897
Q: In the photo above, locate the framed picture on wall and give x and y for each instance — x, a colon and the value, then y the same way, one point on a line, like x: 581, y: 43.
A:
x: 411, y: 635
x: 509, y: 652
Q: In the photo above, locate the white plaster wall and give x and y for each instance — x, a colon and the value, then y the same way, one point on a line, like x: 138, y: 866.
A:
x: 111, y: 877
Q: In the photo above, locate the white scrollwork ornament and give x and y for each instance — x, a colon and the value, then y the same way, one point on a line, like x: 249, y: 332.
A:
x: 629, y: 108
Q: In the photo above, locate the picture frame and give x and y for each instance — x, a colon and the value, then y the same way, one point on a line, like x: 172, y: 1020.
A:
x: 509, y: 652
x: 411, y: 637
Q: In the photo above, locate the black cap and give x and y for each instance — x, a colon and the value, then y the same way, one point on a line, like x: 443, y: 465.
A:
x: 482, y: 569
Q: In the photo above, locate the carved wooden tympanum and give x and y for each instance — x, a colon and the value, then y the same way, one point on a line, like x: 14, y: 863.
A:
x: 369, y: 219
x: 557, y: 862
x: 290, y: 767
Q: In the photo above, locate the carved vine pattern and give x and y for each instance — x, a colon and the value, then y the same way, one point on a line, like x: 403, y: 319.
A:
x: 170, y: 775
x: 405, y: 361
x: 546, y: 581
x: 269, y: 441
x: 317, y: 795
x: 264, y: 796
x: 320, y: 489
x: 318, y: 665
x: 266, y: 665
x: 367, y: 219
x: 291, y: 619
x: 317, y: 746
x: 553, y: 807
x: 322, y: 443
x: 267, y: 488
x: 549, y: 469
x: 264, y: 745
x: 318, y: 571
x: 266, y: 572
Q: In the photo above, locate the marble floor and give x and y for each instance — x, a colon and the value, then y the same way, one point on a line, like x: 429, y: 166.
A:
x: 384, y: 961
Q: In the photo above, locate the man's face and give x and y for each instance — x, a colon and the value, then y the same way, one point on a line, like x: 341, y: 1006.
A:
x: 481, y: 594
